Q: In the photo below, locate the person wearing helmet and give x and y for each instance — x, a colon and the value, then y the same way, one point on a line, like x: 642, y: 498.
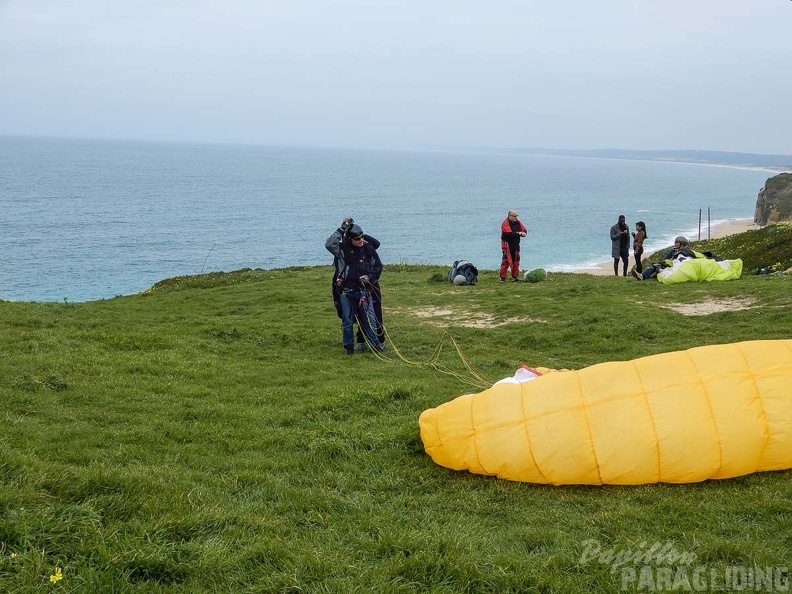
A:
x: 338, y: 265
x: 357, y: 271
x: 680, y: 251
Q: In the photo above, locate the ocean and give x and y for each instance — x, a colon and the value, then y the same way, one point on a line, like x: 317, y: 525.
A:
x: 88, y: 219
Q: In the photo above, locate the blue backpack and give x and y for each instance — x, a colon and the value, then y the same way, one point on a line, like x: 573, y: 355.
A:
x: 466, y: 270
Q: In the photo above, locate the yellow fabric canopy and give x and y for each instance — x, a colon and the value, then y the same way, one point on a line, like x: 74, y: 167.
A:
x: 701, y: 269
x: 710, y: 412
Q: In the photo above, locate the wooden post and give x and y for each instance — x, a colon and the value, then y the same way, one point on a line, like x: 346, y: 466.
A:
x: 699, y: 237
x: 708, y: 222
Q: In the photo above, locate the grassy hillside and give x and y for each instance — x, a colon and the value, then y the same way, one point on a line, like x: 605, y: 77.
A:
x: 768, y: 247
x: 209, y: 435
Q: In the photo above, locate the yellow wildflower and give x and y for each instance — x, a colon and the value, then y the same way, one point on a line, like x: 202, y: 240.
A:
x: 57, y: 576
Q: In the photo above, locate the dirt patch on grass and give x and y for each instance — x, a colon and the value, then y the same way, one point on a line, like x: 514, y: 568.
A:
x: 438, y: 316
x: 433, y: 312
x: 712, y: 306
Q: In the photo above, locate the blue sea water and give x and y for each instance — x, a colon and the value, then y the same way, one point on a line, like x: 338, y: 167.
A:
x: 85, y: 220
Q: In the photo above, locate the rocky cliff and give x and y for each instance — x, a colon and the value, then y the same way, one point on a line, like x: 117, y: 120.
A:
x: 774, y: 203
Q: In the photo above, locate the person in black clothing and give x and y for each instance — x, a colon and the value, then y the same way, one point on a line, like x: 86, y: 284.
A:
x: 620, y: 248
x: 358, y: 266
x: 639, y: 236
x: 376, y: 293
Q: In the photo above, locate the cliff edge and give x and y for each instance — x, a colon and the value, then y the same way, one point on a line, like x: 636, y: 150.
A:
x: 774, y: 203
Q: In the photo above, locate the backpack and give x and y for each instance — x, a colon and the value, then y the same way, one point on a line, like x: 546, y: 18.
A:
x: 535, y: 276
x: 463, y: 273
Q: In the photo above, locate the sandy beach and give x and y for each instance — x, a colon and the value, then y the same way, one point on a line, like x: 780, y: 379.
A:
x: 720, y: 230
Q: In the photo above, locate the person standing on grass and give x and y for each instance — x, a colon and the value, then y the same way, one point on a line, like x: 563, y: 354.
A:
x: 512, y: 230
x: 620, y: 245
x: 358, y: 266
x: 338, y: 265
x: 639, y: 235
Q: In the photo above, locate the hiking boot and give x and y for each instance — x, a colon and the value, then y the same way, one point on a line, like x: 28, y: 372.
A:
x: 350, y: 349
x: 636, y: 274
x: 503, y: 280
x: 360, y: 346
x: 515, y: 279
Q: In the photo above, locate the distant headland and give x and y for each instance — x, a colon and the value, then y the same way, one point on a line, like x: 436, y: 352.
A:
x: 776, y: 163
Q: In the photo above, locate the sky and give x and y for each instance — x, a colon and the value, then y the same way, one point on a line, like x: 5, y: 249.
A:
x: 567, y: 74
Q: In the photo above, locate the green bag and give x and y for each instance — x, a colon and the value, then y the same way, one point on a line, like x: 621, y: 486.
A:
x: 534, y: 276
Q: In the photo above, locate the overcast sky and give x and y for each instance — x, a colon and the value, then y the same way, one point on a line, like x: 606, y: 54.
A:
x: 577, y: 74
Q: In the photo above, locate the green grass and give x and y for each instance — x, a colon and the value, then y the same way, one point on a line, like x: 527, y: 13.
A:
x: 209, y: 435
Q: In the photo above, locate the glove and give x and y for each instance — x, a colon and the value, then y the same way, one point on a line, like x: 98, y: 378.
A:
x: 347, y: 223
x: 364, y: 278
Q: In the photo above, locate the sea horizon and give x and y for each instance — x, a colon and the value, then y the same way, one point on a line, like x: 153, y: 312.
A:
x: 94, y: 219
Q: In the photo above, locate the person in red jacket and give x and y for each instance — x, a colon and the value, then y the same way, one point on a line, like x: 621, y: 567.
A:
x: 511, y: 232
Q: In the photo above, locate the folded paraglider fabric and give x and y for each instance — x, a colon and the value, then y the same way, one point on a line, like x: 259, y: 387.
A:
x: 701, y: 269
x: 709, y: 412
x: 535, y: 276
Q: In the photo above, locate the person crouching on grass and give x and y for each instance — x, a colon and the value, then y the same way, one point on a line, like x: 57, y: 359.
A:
x: 360, y: 267
x: 680, y: 251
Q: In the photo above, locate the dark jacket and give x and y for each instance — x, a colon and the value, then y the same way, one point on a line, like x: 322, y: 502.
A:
x: 620, y: 241
x: 683, y: 251
x: 351, y: 263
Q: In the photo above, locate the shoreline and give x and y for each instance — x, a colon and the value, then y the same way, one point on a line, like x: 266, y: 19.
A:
x: 774, y: 169
x: 719, y: 230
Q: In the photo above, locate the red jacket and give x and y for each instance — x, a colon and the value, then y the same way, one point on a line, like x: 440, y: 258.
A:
x: 510, y: 233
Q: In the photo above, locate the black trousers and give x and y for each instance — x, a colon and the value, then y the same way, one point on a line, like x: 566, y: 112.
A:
x: 624, y: 256
x: 638, y: 265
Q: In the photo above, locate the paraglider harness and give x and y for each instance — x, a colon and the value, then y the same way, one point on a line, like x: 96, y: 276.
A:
x: 465, y: 269
x: 683, y: 253
x: 337, y: 287
x: 338, y: 290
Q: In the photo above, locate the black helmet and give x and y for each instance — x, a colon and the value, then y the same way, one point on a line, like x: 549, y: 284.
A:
x: 355, y: 232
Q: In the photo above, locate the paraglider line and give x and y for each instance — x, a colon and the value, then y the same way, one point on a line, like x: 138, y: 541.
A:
x: 207, y: 257
x: 475, y: 378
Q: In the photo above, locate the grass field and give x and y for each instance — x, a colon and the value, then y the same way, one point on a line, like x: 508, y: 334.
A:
x: 209, y: 435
